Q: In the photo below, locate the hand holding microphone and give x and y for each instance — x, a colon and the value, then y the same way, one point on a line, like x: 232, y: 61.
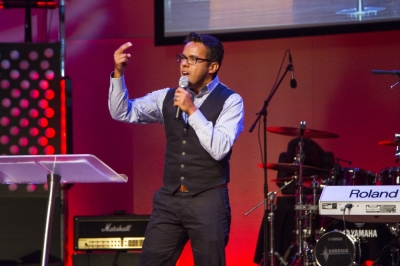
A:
x: 183, y: 83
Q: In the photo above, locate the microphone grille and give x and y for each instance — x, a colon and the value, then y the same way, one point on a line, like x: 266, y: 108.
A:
x: 184, y: 82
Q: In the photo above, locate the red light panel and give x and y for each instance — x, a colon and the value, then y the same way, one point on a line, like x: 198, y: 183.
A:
x: 30, y: 96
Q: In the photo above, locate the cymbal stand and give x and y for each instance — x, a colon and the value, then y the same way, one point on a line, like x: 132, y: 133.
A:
x: 271, y: 207
x: 299, y: 257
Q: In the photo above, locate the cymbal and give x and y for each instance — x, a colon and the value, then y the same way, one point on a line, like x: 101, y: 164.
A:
x: 308, y: 178
x: 389, y: 142
x: 293, y: 167
x: 307, y: 133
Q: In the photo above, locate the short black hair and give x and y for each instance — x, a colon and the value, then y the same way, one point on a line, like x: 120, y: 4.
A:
x: 215, y: 49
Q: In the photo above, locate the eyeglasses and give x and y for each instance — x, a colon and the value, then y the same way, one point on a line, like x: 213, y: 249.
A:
x: 191, y: 60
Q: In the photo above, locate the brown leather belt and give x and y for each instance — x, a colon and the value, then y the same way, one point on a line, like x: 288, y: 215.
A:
x: 182, y: 187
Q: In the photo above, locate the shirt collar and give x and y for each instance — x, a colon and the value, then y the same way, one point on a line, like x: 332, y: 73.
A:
x: 209, y: 87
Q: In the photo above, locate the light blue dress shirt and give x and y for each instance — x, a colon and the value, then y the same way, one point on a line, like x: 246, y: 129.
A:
x: 216, y: 139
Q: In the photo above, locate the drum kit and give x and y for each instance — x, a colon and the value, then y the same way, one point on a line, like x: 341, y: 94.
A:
x: 357, y: 243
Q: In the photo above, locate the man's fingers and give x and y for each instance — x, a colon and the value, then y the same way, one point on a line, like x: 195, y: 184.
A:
x: 123, y: 47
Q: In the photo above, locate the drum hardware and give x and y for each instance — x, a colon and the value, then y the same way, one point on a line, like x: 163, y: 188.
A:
x: 270, y: 205
x: 305, y: 211
x: 388, y: 72
x: 395, y: 142
x: 305, y: 133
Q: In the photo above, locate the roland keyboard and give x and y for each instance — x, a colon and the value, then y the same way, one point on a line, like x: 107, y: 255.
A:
x: 375, y: 204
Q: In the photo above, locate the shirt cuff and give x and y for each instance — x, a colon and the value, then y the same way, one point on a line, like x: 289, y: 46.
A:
x: 197, y: 120
x: 117, y: 84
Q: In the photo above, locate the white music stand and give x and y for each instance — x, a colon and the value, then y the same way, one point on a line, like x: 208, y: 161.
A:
x: 53, y: 170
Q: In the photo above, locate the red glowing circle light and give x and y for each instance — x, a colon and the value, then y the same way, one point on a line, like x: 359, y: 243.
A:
x: 33, y: 113
x: 34, y: 94
x: 24, y: 103
x: 42, y: 141
x: 44, y: 84
x: 49, y: 53
x: 49, y: 74
x: 49, y: 94
x: 33, y: 150
x: 5, y: 84
x: 43, y: 122
x: 50, y: 132
x: 33, y: 132
x: 4, y: 121
x: 4, y: 139
x: 49, y: 150
x: 6, y: 102
x: 34, y: 75
x: 25, y: 84
x: 15, y: 112
x: 24, y: 122
x: 49, y: 112
x: 15, y: 93
x: 14, y: 74
x: 33, y: 55
x: 44, y: 64
x: 14, y: 149
x: 24, y: 65
x: 43, y: 103
x: 14, y: 130
x: 23, y: 142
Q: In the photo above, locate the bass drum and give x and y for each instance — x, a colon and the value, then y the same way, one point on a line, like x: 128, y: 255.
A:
x: 371, y: 238
x: 337, y: 248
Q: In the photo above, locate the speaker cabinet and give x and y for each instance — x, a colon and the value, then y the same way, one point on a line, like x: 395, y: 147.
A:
x: 22, y: 226
x: 106, y: 259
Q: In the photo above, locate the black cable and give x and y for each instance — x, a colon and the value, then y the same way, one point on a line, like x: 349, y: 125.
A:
x: 115, y: 262
x: 348, y: 206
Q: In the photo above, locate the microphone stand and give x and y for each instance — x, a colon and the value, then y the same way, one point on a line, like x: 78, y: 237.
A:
x: 263, y: 113
x: 386, y: 72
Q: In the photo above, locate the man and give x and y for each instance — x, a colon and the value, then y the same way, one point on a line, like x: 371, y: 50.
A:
x: 193, y: 202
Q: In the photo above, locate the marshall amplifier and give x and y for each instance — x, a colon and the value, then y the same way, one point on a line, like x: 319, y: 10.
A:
x: 117, y: 232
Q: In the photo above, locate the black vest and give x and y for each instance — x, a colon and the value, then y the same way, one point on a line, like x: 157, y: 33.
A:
x: 186, y: 161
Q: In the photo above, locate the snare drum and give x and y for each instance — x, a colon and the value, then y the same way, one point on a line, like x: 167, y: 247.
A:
x: 389, y: 176
x: 369, y: 238
x: 352, y: 176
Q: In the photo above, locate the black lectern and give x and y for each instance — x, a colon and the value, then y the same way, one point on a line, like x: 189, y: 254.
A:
x: 55, y: 169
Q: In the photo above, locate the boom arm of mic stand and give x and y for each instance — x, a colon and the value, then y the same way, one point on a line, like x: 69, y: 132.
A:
x: 263, y: 112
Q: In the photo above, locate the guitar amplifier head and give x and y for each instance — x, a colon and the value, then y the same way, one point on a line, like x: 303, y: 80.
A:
x: 123, y: 232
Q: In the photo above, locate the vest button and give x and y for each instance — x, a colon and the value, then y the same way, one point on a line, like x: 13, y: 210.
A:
x: 182, y: 166
x: 183, y: 141
x: 183, y: 153
x: 184, y: 130
x: 182, y: 178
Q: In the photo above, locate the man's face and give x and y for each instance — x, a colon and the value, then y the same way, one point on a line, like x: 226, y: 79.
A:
x: 202, y: 72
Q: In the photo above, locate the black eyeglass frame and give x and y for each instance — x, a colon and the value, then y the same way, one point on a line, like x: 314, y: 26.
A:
x: 181, y: 57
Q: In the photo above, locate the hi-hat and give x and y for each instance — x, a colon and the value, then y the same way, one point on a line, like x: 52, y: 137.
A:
x: 307, y: 133
x: 293, y: 167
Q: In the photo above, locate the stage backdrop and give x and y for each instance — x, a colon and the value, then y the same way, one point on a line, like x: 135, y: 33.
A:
x: 336, y: 92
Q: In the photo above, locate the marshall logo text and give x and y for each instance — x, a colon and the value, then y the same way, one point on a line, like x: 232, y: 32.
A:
x: 356, y: 193
x: 120, y: 228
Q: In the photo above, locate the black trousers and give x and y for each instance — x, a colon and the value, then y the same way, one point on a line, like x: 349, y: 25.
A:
x: 204, y: 219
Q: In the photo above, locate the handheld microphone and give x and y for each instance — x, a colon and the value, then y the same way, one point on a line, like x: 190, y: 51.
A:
x: 293, y: 82
x: 183, y: 83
